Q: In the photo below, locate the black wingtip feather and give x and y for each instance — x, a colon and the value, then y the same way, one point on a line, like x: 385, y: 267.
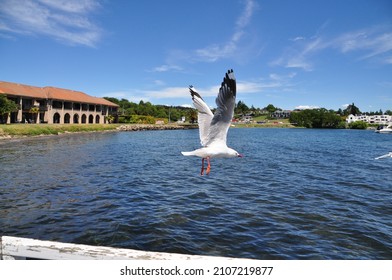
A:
x: 193, y: 93
x: 230, y: 81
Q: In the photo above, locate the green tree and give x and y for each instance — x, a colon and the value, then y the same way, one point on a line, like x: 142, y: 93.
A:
x: 270, y: 108
x: 340, y: 112
x: 125, y: 105
x: 7, y: 106
x: 34, y: 111
x: 241, y: 108
x: 358, y: 125
x: 161, y: 112
x: 317, y: 118
x: 128, y: 110
x: 192, y: 115
x: 113, y: 99
x: 109, y: 119
x: 352, y: 109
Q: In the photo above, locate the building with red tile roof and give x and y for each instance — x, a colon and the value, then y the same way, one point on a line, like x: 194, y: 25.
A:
x: 55, y: 105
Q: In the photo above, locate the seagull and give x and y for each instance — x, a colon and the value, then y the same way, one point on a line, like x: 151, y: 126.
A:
x: 385, y: 156
x: 213, y: 127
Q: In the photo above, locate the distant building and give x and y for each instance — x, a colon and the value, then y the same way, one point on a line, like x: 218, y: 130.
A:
x: 375, y: 119
x: 244, y: 118
x: 55, y: 105
x: 247, y: 119
x: 182, y: 120
x: 262, y: 112
x: 281, y: 114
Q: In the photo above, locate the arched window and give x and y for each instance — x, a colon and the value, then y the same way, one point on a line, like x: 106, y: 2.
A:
x: 56, y: 118
x: 97, y: 119
x: 91, y: 119
x: 84, y: 118
x: 76, y: 118
x: 67, y: 118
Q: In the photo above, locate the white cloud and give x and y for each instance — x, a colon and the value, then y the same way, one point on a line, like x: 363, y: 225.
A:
x: 66, y: 21
x: 371, y: 42
x: 215, y: 52
x: 132, y: 95
x: 299, y: 56
x: 298, y: 38
x: 368, y: 43
x: 304, y: 107
x: 246, y: 15
x: 299, y: 62
x: 385, y: 84
x: 281, y: 82
x: 169, y: 92
x: 159, y: 83
x: 249, y: 87
x: 388, y: 60
x: 166, y: 67
x: 187, y: 105
x: 243, y: 87
x: 138, y: 98
x: 72, y: 6
x: 275, y: 82
x: 258, y: 86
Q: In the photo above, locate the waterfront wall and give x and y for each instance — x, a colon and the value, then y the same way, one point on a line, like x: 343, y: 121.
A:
x: 138, y: 127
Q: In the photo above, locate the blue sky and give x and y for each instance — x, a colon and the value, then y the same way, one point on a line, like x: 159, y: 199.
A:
x: 292, y: 54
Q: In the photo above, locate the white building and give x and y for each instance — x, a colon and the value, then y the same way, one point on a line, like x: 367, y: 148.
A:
x: 375, y: 119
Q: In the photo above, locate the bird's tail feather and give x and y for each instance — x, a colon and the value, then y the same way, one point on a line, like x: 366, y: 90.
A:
x: 187, y: 153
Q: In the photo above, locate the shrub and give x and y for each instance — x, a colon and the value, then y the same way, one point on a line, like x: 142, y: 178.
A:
x: 358, y: 125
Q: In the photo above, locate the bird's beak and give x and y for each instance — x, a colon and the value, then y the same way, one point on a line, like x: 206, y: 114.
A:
x: 240, y: 155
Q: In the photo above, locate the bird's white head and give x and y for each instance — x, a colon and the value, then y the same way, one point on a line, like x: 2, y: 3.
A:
x: 234, y: 153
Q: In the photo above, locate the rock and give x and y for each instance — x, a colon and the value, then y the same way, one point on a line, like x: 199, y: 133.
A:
x: 141, y: 127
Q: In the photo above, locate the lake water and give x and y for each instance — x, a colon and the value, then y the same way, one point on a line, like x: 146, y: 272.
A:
x: 297, y: 193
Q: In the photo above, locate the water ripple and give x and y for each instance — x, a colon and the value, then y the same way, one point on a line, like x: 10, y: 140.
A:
x: 323, y: 198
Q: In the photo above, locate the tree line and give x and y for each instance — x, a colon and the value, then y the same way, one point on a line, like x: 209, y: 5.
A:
x: 145, y: 112
x: 310, y: 118
x: 131, y: 112
x: 323, y: 118
x: 317, y: 118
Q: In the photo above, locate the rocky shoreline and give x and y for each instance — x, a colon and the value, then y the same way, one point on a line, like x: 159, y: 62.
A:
x: 123, y: 127
x: 141, y: 127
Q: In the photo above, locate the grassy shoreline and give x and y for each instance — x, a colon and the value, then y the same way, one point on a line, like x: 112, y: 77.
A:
x: 24, y: 130
x: 11, y: 131
x: 264, y: 125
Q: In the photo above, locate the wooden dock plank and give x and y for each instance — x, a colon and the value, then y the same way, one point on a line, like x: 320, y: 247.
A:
x: 17, y: 247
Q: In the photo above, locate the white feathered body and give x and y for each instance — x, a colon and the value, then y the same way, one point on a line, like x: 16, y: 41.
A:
x: 213, y: 128
x: 213, y: 151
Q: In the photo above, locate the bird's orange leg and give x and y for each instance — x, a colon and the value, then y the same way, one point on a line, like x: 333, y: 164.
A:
x: 208, y: 166
x: 202, y: 167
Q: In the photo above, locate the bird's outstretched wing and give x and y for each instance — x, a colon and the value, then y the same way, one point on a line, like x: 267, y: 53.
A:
x: 224, y: 113
x: 204, y: 115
